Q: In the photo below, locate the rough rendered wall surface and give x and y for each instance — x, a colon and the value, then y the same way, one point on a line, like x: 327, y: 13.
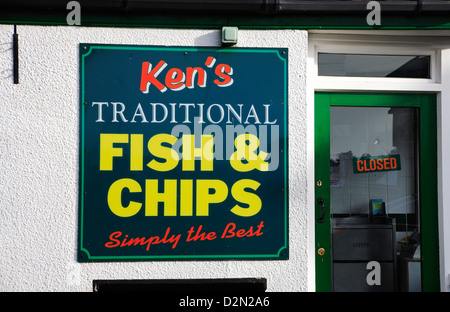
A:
x: 39, y: 126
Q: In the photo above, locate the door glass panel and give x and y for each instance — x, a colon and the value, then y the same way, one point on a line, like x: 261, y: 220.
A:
x: 374, y: 199
x: 366, y: 65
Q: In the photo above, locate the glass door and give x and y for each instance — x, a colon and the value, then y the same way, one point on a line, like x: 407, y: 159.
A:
x: 376, y: 205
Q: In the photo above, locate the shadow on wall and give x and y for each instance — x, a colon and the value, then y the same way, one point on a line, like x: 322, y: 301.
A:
x: 4, y: 48
x: 211, y: 39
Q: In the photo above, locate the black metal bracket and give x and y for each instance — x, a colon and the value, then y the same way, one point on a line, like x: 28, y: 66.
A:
x: 16, y: 56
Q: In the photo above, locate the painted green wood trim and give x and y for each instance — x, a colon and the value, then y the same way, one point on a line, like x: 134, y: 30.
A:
x: 428, y: 175
x: 428, y: 200
x: 322, y: 173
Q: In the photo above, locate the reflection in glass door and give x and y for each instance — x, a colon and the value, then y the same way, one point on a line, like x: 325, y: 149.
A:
x: 374, y: 199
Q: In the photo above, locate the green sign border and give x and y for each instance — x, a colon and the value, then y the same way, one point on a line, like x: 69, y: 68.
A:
x: 83, y: 253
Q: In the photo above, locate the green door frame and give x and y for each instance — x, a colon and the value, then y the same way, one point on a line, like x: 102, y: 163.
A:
x: 427, y: 182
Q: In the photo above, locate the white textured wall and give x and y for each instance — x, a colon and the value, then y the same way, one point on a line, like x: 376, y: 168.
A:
x: 39, y: 130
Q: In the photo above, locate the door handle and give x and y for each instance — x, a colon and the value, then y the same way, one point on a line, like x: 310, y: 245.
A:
x: 321, y: 202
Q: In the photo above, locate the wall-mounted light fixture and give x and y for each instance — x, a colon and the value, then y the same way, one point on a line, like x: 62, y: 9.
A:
x: 229, y: 35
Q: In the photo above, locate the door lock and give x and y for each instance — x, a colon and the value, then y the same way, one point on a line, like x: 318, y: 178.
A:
x: 321, y: 251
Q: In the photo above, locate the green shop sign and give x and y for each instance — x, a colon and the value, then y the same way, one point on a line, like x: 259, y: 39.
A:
x: 183, y: 153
